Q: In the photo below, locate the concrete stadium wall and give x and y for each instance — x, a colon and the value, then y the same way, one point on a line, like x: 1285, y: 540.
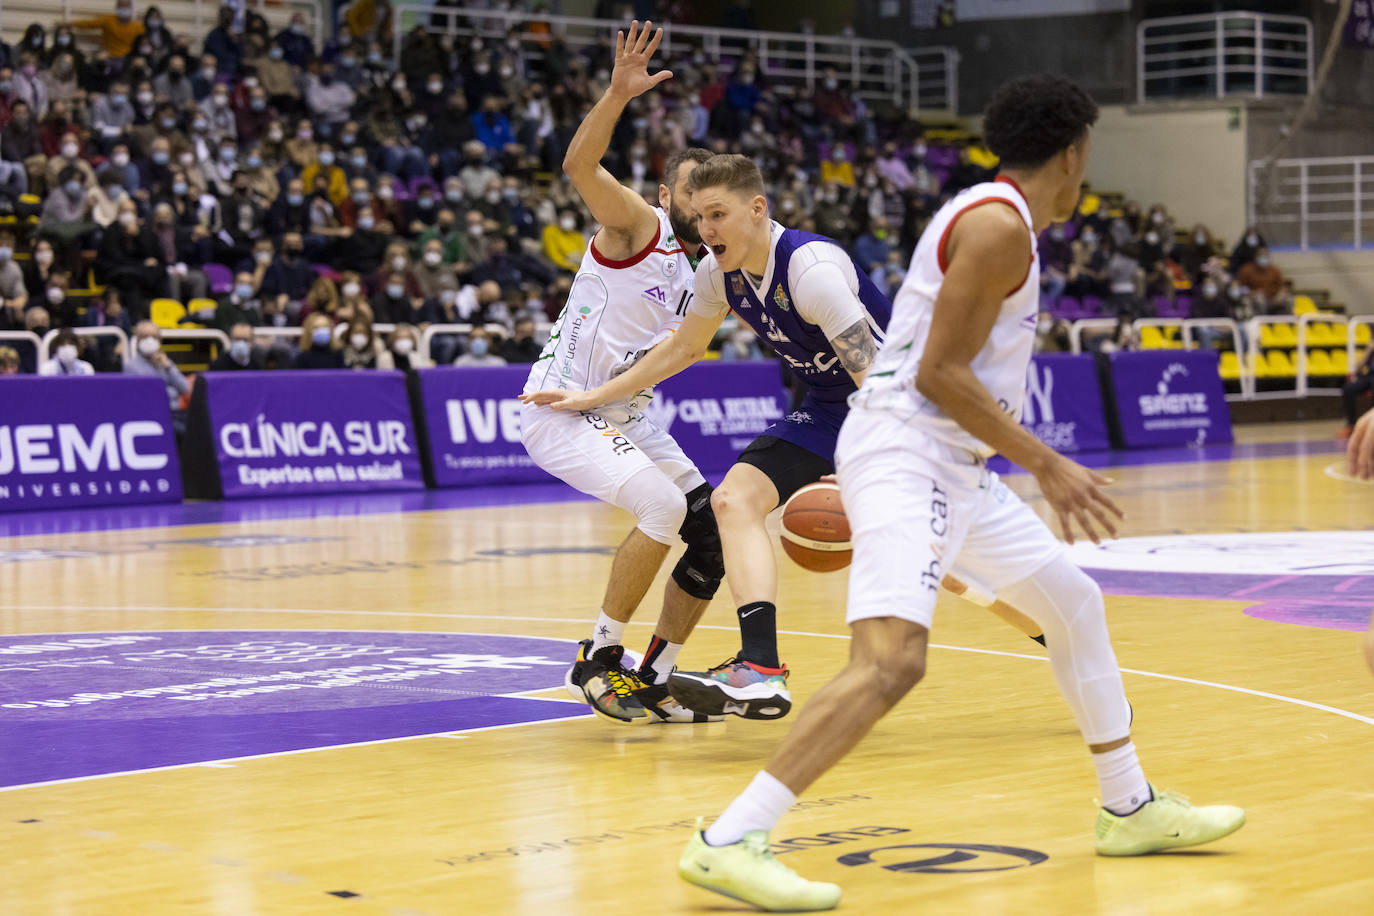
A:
x: 1348, y: 275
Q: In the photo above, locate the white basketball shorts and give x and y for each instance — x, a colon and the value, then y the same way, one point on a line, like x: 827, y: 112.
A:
x: 919, y: 508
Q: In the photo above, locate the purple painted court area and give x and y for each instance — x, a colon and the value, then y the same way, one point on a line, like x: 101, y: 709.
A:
x: 74, y: 705
x: 1188, y: 455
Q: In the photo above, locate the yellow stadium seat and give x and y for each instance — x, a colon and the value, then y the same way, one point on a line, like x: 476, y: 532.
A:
x: 1285, y: 336
x: 1280, y: 366
x: 1340, y: 362
x: 201, y: 305
x: 1318, y: 362
x: 1338, y: 333
x: 1229, y: 368
x: 1318, y: 334
x: 1152, y: 339
x: 1303, y: 305
x: 1269, y: 336
x: 167, y: 312
x: 1258, y: 365
x: 982, y: 157
x: 1362, y: 334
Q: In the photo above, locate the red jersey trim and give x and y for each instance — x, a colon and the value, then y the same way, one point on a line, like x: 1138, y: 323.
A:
x: 630, y: 261
x: 949, y: 227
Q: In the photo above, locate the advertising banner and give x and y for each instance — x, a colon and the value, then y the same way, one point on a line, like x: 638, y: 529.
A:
x: 967, y: 10
x: 72, y: 442
x: 1063, y: 406
x: 472, y: 418
x: 293, y: 433
x: 1170, y: 397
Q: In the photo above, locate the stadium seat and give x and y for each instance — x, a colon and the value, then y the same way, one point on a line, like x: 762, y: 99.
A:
x: 221, y: 278
x: 1303, y: 305
x: 1269, y: 336
x: 167, y: 313
x: 1258, y: 365
x: 1229, y: 368
x: 1152, y: 339
x: 1340, y: 362
x: 1318, y: 334
x: 1280, y: 366
x: 1319, y: 363
x: 1285, y: 335
x: 1362, y: 334
x: 1337, y: 333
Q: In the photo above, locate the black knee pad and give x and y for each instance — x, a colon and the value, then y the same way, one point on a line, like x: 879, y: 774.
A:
x: 702, y: 567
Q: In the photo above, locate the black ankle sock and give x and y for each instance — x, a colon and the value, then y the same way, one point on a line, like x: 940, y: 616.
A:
x: 1040, y: 639
x: 758, y: 630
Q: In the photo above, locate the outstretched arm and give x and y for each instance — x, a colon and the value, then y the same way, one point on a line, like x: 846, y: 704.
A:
x: 667, y: 359
x: 627, y: 222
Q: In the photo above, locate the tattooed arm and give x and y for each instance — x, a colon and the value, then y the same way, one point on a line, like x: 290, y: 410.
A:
x: 856, y: 349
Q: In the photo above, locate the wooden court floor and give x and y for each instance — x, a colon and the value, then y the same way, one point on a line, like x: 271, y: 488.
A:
x: 1248, y: 688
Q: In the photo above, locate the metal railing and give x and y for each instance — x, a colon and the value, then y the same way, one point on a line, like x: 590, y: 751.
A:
x: 1088, y: 324
x: 116, y: 333
x: 1326, y: 201
x: 925, y: 78
x: 1352, y: 348
x: 1223, y: 55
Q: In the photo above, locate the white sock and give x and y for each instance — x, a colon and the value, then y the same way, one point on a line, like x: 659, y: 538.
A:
x: 1121, y: 780
x: 607, y: 632
x: 662, y: 664
x: 758, y: 807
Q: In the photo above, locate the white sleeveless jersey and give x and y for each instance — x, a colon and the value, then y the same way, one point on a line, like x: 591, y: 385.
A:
x: 616, y: 312
x: 1000, y: 365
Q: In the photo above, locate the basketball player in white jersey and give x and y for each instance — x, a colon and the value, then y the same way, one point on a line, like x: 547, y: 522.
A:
x: 944, y: 393
x: 631, y: 291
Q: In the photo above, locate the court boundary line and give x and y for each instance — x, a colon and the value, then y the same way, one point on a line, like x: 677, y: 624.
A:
x: 1336, y: 470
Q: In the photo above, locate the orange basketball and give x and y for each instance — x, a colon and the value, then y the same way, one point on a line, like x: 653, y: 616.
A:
x: 815, y: 531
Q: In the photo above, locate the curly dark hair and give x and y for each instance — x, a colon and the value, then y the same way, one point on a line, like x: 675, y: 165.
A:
x: 690, y: 154
x: 1031, y: 119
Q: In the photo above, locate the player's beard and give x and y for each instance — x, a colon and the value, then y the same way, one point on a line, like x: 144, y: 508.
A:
x: 684, y: 227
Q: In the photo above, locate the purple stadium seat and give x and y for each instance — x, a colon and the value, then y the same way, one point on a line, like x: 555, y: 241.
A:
x: 221, y: 278
x: 1092, y: 306
x: 1068, y: 307
x: 324, y: 270
x: 1163, y: 307
x: 419, y: 181
x: 1183, y: 306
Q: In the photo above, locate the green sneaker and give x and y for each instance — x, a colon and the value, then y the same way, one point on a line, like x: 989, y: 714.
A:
x: 1166, y: 822
x: 747, y: 871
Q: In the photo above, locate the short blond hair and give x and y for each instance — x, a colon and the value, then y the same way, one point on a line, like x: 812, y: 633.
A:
x: 734, y: 172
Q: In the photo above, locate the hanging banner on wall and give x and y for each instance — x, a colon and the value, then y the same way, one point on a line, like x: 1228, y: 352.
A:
x: 1063, y: 405
x: 472, y: 418
x: 292, y: 433
x: 73, y: 442
x: 1170, y: 397
x: 966, y: 10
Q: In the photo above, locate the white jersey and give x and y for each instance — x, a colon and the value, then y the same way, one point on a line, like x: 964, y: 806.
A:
x: 1000, y: 365
x: 616, y: 312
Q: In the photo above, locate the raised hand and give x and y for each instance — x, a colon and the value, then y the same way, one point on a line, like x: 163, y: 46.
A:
x: 631, y: 74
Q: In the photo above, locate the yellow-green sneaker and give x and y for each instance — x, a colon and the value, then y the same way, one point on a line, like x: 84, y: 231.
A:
x: 748, y: 871
x: 1166, y: 822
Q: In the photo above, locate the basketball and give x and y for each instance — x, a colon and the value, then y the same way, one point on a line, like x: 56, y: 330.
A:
x: 815, y: 531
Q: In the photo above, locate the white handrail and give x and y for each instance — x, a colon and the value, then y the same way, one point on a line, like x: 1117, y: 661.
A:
x: 26, y: 336
x: 214, y: 335
x: 1350, y: 345
x: 1254, y: 325
x: 1335, y: 186
x: 429, y: 333
x: 1247, y: 377
x: 1082, y: 324
x: 872, y: 68
x: 1177, y: 47
x: 116, y: 333
x: 1305, y: 323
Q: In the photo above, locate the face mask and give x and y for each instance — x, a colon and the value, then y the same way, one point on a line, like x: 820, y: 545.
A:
x: 69, y: 150
x: 207, y: 73
x: 228, y: 154
x: 1088, y: 238
x: 507, y: 73
x: 326, y: 158
x: 477, y: 347
x: 67, y: 354
x: 64, y: 40
x: 145, y: 98
x: 1209, y: 290
x: 254, y: 162
x: 399, y: 85
x: 56, y: 294
x: 305, y: 134
x: 831, y: 83
x: 1251, y: 240
x: 179, y: 188
x: 199, y: 125
x: 435, y: 88
x: 6, y: 252
x: 839, y: 156
x: 398, y: 263
x: 297, y: 28
x: 258, y: 104
x: 167, y: 124
x: 385, y: 192
x: 295, y: 199
x: 154, y: 22
x: 403, y: 345
x: 1264, y: 260
x: 474, y: 229
x: 73, y: 188
x: 320, y: 337
x: 128, y: 219
x: 493, y: 197
x: 482, y: 69
x: 567, y: 224
x: 454, y: 195
x: 243, y: 291
x: 359, y: 162
x: 351, y: 289
x: 1235, y: 292
x: 124, y: 14
x: 366, y: 223
x: 239, y: 351
x: 425, y: 203
x: 508, y: 194
x: 1157, y: 218
x: 148, y: 345
x: 788, y: 205
x: 358, y: 340
x: 221, y: 100
x: 263, y: 257
x: 374, y: 57
x: 275, y: 52
x: 1152, y: 238
x: 347, y: 60
x: 1200, y: 239
x: 1057, y: 234
x: 432, y: 258
x: 274, y: 135
x: 448, y: 296
x: 395, y: 291
x: 43, y: 258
